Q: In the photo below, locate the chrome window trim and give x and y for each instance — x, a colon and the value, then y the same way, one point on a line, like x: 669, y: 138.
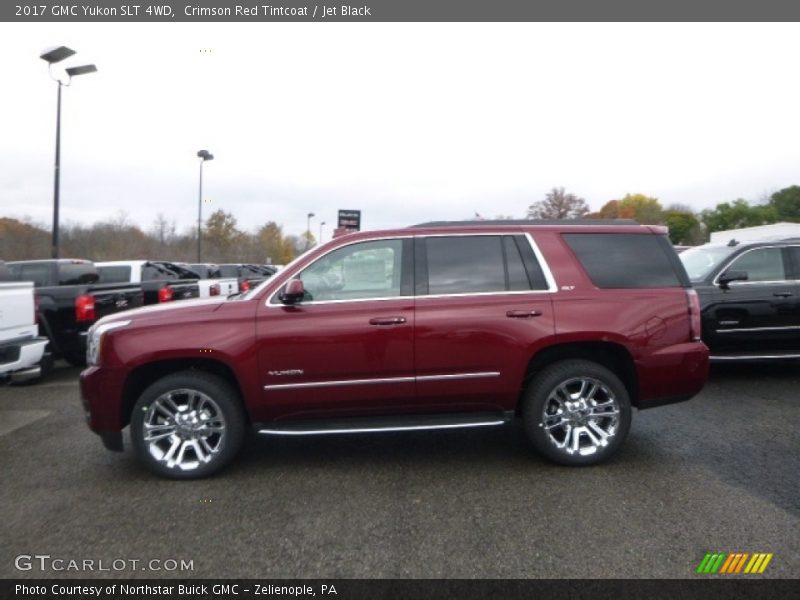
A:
x: 379, y: 429
x: 769, y: 281
x: 547, y: 272
x: 379, y: 380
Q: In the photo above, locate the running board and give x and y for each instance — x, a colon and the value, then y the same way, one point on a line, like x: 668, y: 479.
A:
x: 733, y: 357
x: 389, y: 423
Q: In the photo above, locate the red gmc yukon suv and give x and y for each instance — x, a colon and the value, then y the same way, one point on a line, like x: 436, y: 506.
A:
x: 566, y: 325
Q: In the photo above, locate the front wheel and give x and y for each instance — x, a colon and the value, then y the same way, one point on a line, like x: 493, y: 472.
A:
x: 187, y: 425
x: 576, y: 412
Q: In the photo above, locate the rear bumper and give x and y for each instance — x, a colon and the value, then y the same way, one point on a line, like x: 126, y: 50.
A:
x: 102, y: 399
x: 672, y: 374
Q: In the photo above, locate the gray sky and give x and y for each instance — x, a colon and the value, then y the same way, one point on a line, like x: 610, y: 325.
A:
x: 407, y: 122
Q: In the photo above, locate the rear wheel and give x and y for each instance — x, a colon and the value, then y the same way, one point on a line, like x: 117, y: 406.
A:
x: 187, y: 425
x: 576, y: 412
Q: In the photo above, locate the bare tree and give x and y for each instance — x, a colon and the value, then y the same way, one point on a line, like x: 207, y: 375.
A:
x: 557, y: 204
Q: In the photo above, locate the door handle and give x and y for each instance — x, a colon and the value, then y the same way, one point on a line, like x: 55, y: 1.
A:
x: 387, y: 321
x: 783, y: 294
x: 523, y: 314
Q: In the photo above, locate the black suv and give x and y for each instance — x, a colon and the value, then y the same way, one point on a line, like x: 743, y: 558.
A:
x: 749, y: 298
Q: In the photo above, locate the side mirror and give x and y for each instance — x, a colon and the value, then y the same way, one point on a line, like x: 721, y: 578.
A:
x: 729, y: 276
x: 293, y: 292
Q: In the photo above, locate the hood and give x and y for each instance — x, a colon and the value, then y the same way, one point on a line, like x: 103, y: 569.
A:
x: 179, y: 310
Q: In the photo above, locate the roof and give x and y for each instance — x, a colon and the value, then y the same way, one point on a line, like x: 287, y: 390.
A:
x: 528, y: 222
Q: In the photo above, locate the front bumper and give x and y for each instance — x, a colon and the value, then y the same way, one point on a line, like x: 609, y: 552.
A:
x: 103, y: 403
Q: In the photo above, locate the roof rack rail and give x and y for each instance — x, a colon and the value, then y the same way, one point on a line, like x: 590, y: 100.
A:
x: 495, y: 223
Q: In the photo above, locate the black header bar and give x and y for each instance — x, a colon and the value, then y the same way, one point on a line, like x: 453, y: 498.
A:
x: 398, y: 10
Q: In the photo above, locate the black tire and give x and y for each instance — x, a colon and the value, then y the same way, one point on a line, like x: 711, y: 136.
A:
x: 76, y: 360
x: 209, y: 402
x: 560, y: 387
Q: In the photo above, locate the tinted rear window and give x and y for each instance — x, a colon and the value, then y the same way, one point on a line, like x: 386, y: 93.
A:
x: 38, y: 273
x: 76, y: 273
x: 624, y: 260
x: 229, y: 270
x: 114, y: 274
x: 151, y: 272
x: 205, y: 271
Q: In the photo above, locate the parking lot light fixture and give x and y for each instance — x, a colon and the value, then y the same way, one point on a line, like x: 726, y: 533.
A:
x: 203, y: 155
x: 308, y: 229
x: 321, y: 225
x: 53, y: 56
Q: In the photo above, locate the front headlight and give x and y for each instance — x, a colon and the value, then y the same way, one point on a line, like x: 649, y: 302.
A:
x: 96, y: 338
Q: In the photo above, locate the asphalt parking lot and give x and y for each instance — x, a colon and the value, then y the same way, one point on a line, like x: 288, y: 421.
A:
x: 719, y: 473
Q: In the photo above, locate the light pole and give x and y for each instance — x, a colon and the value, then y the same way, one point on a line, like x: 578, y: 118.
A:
x: 319, y: 241
x: 52, y: 56
x: 308, y: 230
x: 203, y: 155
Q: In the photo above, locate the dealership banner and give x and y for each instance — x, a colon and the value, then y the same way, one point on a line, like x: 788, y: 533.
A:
x: 417, y: 589
x: 399, y: 10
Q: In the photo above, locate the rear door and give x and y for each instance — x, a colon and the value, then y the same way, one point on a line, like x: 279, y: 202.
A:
x: 482, y: 301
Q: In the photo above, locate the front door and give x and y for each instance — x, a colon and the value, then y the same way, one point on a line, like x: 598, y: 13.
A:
x: 758, y: 316
x: 347, y: 348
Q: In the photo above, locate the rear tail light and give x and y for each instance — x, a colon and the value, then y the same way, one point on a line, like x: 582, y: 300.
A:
x: 245, y: 286
x: 36, y: 302
x: 214, y: 290
x: 165, y: 294
x: 694, y: 315
x: 84, y: 308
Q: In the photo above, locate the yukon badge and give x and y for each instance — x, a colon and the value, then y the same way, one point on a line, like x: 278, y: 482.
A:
x: 285, y: 372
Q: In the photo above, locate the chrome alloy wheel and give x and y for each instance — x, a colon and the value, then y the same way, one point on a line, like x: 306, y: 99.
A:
x: 581, y: 416
x: 184, y: 429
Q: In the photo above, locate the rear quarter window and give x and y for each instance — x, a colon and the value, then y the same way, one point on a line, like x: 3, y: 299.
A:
x: 627, y: 260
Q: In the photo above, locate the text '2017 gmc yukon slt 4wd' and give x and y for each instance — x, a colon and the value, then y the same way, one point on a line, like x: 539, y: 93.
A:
x: 563, y: 324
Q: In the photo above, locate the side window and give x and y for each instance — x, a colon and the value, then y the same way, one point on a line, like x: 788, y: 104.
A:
x: 764, y: 264
x: 474, y: 264
x: 357, y: 271
x: 465, y: 264
x: 39, y: 274
x: 517, y: 277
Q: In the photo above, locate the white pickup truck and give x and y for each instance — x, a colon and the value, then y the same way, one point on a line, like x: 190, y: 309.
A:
x: 211, y: 281
x: 21, y: 348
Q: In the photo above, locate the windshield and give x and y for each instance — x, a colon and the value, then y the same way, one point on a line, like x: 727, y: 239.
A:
x: 702, y: 260
x: 254, y: 291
